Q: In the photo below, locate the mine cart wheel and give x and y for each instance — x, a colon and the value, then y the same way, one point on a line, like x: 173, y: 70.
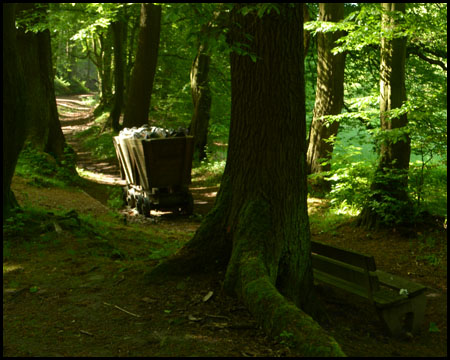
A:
x: 125, y: 195
x: 131, y: 201
x: 140, y: 202
x: 146, y: 207
x: 190, y: 204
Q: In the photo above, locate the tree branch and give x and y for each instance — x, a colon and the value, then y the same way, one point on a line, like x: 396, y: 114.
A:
x: 416, y: 51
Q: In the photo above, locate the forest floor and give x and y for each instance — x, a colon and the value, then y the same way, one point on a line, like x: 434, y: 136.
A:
x: 76, y: 287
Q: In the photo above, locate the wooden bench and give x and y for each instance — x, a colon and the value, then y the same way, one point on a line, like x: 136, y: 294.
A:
x: 400, y: 303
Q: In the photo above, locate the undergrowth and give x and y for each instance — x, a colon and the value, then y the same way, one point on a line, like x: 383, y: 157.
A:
x: 43, y: 170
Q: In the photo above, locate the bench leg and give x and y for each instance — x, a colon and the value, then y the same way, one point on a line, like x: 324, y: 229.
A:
x: 404, y: 317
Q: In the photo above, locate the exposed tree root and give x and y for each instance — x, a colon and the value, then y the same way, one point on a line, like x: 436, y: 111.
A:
x: 278, y: 316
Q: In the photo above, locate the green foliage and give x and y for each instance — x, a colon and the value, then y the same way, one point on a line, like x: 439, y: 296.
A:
x: 16, y: 222
x: 99, y: 145
x: 70, y: 87
x: 287, y: 338
x: 115, y: 200
x: 61, y: 86
x: 433, y: 327
x: 350, y: 179
x: 41, y: 169
x: 211, y: 169
x: 359, y: 138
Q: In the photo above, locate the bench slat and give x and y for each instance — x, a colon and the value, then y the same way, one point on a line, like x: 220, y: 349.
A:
x: 346, y: 256
x: 346, y: 272
x: 382, y: 298
x: 339, y: 283
x: 396, y: 282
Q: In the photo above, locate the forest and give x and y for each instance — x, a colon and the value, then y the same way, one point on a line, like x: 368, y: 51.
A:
x: 225, y: 179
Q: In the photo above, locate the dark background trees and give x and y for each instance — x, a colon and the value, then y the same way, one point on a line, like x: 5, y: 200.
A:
x: 329, y: 93
x: 15, y: 109
x: 141, y: 83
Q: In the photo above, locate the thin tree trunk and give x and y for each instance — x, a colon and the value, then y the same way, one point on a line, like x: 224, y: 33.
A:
x: 130, y: 62
x: 329, y: 93
x: 118, y: 29
x: 141, y: 83
x: 259, y: 226
x: 201, y: 97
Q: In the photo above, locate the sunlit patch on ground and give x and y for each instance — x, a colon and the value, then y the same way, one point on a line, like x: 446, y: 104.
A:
x: 11, y: 267
x: 315, y: 205
x: 100, y: 177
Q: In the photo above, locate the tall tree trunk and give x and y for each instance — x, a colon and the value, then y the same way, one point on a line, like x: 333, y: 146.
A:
x: 118, y: 28
x: 329, y: 93
x: 15, y: 106
x: 55, y: 141
x: 130, y: 48
x: 35, y: 50
x: 259, y: 226
x: 390, y: 183
x: 103, y: 62
x: 201, y: 97
x: 141, y: 83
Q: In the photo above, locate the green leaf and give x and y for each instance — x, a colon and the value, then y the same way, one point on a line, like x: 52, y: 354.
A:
x: 433, y: 328
x: 34, y: 289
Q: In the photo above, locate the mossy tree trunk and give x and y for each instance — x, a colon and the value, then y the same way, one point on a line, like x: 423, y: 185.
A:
x: 389, y: 187
x: 329, y: 93
x: 141, y: 83
x: 15, y: 106
x: 259, y: 227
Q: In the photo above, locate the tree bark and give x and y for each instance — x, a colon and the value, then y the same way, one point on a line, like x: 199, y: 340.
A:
x: 306, y: 34
x: 259, y: 227
x: 329, y: 93
x: 103, y: 63
x: 141, y: 83
x: 390, y: 183
x: 15, y: 106
x: 118, y: 28
x: 201, y: 97
x: 44, y: 131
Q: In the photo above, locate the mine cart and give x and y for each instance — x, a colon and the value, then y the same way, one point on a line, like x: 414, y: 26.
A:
x: 157, y: 172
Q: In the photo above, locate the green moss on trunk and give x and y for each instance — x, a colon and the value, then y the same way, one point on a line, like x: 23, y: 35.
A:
x: 251, y: 275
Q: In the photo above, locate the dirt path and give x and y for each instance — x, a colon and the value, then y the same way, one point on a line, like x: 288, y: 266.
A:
x: 76, y: 117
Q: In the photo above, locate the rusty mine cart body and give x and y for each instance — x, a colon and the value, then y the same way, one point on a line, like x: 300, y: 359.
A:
x: 157, y: 172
